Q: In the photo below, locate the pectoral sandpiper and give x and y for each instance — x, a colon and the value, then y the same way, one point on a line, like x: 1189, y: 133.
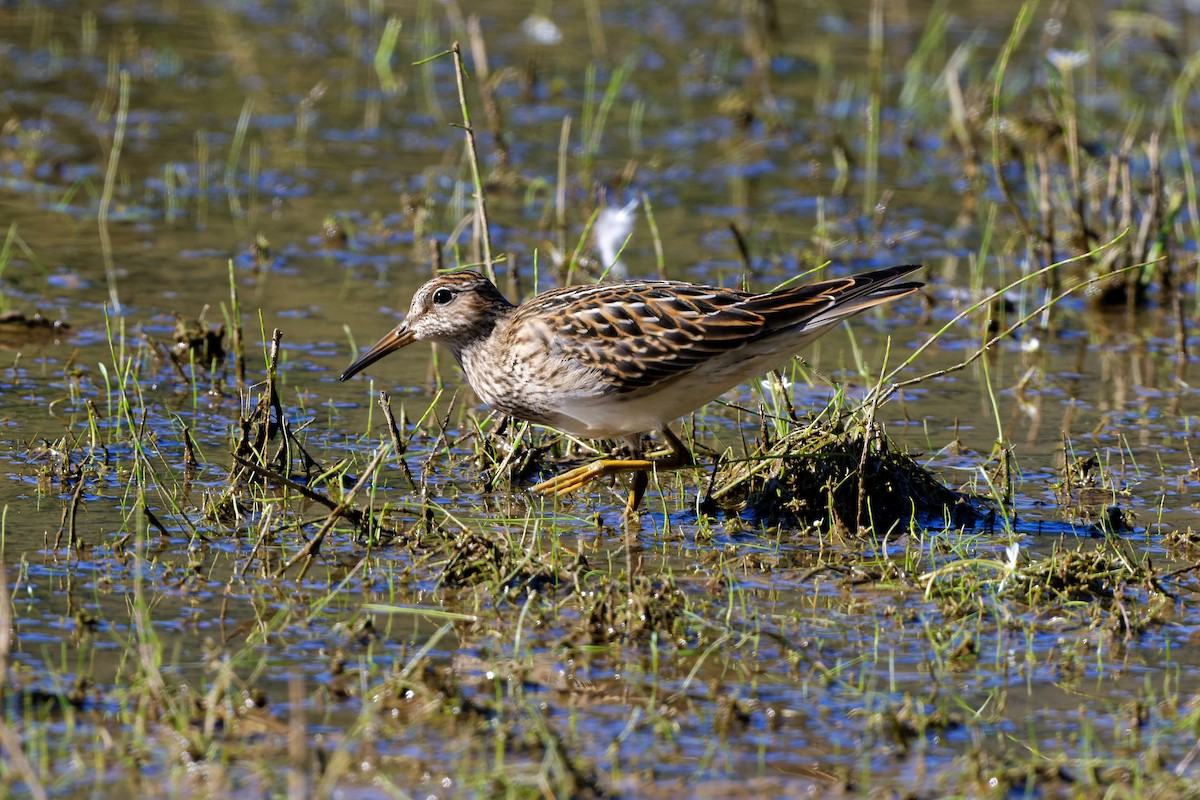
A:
x: 622, y: 359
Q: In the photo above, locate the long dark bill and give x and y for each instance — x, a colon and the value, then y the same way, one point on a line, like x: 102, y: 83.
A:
x: 400, y: 336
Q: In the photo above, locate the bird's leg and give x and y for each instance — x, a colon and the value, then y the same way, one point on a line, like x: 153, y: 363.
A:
x: 637, y: 487
x: 575, y: 479
x: 678, y: 457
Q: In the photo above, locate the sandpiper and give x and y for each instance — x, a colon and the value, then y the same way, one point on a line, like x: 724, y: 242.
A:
x: 617, y: 360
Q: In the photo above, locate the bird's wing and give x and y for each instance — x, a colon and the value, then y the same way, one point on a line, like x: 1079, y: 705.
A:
x: 637, y: 334
x: 819, y: 306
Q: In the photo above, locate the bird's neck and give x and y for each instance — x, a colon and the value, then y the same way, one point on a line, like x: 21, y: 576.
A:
x: 476, y: 347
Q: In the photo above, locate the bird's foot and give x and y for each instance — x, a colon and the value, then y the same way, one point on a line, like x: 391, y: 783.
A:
x: 676, y: 456
x: 575, y: 479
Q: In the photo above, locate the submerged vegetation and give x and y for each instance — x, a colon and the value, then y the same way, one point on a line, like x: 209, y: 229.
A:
x: 849, y: 477
x: 966, y: 570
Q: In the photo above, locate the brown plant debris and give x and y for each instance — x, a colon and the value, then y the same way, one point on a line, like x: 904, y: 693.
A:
x: 619, y: 611
x: 832, y: 475
x: 199, y: 341
x: 18, y: 330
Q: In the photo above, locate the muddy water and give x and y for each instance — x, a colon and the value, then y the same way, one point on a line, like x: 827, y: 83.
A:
x: 323, y: 146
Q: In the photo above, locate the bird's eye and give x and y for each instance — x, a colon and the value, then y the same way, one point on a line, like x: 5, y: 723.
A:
x: 442, y: 296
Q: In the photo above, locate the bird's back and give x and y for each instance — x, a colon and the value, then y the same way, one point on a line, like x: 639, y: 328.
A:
x: 613, y: 359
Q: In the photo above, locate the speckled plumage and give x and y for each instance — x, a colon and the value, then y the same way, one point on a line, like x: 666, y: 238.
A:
x: 621, y: 359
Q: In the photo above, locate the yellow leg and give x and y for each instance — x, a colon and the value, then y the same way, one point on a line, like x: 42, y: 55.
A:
x: 575, y: 479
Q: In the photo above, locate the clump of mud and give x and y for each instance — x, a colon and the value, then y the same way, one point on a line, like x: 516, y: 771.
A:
x: 18, y: 329
x: 835, y: 474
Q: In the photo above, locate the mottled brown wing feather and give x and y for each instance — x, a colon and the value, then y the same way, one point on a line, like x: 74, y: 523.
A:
x: 642, y: 333
x: 829, y: 301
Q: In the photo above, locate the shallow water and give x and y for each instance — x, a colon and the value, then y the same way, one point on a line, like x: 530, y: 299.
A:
x: 796, y: 658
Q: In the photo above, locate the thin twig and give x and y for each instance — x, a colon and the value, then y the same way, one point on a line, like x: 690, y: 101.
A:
x: 69, y: 514
x: 743, y: 248
x: 340, y: 510
x: 106, y: 194
x: 264, y: 528
x: 480, y: 201
x: 299, y: 488
x: 1018, y: 32
x: 889, y: 391
x: 7, y: 629
x: 14, y: 756
x: 487, y: 91
x: 394, y: 430
x: 236, y: 337
x: 156, y: 523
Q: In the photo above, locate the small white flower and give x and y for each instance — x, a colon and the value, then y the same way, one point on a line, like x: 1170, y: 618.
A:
x: 1013, y: 551
x: 1031, y: 344
x: 1067, y: 60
